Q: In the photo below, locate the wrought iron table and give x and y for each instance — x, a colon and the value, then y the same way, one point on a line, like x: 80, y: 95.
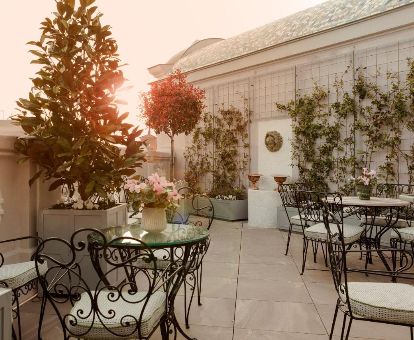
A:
x: 388, y: 210
x: 180, y: 244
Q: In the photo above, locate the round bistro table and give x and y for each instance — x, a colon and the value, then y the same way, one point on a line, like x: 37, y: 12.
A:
x: 179, y: 244
x: 387, y: 210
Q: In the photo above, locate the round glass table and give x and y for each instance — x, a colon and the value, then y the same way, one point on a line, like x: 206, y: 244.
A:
x: 378, y: 215
x: 178, y: 246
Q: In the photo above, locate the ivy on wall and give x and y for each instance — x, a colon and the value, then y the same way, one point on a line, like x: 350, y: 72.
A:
x: 333, y: 141
x: 219, y: 152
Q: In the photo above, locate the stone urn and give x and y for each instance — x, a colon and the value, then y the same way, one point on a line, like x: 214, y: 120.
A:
x: 279, y: 179
x: 254, y: 178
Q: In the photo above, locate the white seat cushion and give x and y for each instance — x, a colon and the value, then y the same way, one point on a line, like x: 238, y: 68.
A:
x: 390, y: 302
x: 18, y: 274
x: 125, y: 310
x: 318, y: 232
x: 382, y: 221
x: 407, y: 234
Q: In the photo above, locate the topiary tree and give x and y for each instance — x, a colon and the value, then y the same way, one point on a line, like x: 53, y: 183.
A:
x: 173, y: 106
x: 71, y: 113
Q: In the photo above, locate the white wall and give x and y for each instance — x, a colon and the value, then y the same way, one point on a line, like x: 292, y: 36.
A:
x: 380, y: 44
x: 269, y: 163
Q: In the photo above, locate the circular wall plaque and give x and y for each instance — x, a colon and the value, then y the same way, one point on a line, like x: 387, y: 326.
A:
x: 273, y: 141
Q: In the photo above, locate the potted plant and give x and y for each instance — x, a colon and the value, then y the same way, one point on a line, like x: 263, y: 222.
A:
x: 74, y: 130
x: 220, y: 150
x: 364, y: 183
x: 153, y: 197
x: 173, y: 106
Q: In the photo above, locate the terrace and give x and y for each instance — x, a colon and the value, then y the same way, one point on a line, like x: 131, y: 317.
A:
x: 251, y: 290
x: 269, y: 174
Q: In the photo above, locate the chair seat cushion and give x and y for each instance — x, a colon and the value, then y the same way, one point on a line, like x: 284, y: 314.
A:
x: 389, y: 302
x: 18, y: 274
x: 407, y: 234
x: 119, y: 314
x: 318, y: 232
x: 382, y: 221
x: 295, y: 218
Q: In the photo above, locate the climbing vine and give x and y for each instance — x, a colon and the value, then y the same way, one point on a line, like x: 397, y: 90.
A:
x: 219, y: 152
x: 333, y: 141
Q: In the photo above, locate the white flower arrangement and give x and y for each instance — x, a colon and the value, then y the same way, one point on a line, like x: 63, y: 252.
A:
x: 226, y: 197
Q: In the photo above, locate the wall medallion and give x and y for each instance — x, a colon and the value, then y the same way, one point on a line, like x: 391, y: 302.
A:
x: 273, y: 141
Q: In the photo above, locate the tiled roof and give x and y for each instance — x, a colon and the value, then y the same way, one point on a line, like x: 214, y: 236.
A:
x: 327, y: 15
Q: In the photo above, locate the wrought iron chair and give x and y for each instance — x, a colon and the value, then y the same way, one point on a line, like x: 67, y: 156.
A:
x: 390, y: 303
x: 287, y: 195
x: 196, y: 209
x: 310, y: 207
x: 21, y: 278
x: 131, y: 307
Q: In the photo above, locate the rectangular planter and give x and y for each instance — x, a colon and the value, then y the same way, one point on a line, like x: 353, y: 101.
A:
x: 230, y: 210
x: 63, y: 223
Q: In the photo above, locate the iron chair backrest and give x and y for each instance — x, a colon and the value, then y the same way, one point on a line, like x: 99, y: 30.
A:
x: 333, y: 217
x: 195, y: 208
x: 310, y: 207
x: 287, y: 193
x: 64, y: 281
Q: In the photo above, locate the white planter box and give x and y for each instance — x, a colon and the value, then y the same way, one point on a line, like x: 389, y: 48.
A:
x: 62, y: 223
x: 5, y: 314
x: 230, y: 210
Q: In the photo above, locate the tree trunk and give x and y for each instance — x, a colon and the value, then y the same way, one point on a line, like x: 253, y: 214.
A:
x: 172, y: 159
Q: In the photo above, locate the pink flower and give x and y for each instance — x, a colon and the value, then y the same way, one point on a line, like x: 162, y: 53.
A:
x: 154, y: 179
x: 159, y: 189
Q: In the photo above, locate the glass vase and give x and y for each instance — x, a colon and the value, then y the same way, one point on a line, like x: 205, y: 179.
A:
x: 364, y: 192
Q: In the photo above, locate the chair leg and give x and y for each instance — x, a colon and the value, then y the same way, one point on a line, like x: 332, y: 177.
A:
x: 164, y: 329
x: 324, y: 247
x: 19, y: 326
x: 411, y: 333
x: 343, y: 326
x: 42, y: 313
x: 315, y: 246
x: 349, y: 328
x: 305, y: 252
x: 288, y: 240
x: 334, y: 320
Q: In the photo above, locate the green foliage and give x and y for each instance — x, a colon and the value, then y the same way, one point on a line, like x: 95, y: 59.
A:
x: 324, y: 148
x: 219, y: 149
x: 71, y: 117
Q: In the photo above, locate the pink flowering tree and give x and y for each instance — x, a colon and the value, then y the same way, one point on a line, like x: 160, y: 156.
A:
x: 173, y: 106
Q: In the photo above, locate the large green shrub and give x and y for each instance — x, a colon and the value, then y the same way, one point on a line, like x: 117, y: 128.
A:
x: 70, y: 116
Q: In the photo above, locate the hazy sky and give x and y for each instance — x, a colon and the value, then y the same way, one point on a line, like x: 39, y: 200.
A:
x: 148, y: 32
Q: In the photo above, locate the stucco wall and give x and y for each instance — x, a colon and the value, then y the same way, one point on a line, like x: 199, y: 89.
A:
x: 21, y: 202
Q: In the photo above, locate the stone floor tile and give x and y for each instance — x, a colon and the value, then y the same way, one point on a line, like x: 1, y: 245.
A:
x: 278, y: 316
x: 256, y: 289
x: 254, y: 334
x: 276, y: 272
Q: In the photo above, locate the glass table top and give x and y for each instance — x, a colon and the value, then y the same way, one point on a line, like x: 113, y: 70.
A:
x: 173, y: 235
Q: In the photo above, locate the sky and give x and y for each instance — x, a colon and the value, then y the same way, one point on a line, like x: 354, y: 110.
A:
x: 148, y: 33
